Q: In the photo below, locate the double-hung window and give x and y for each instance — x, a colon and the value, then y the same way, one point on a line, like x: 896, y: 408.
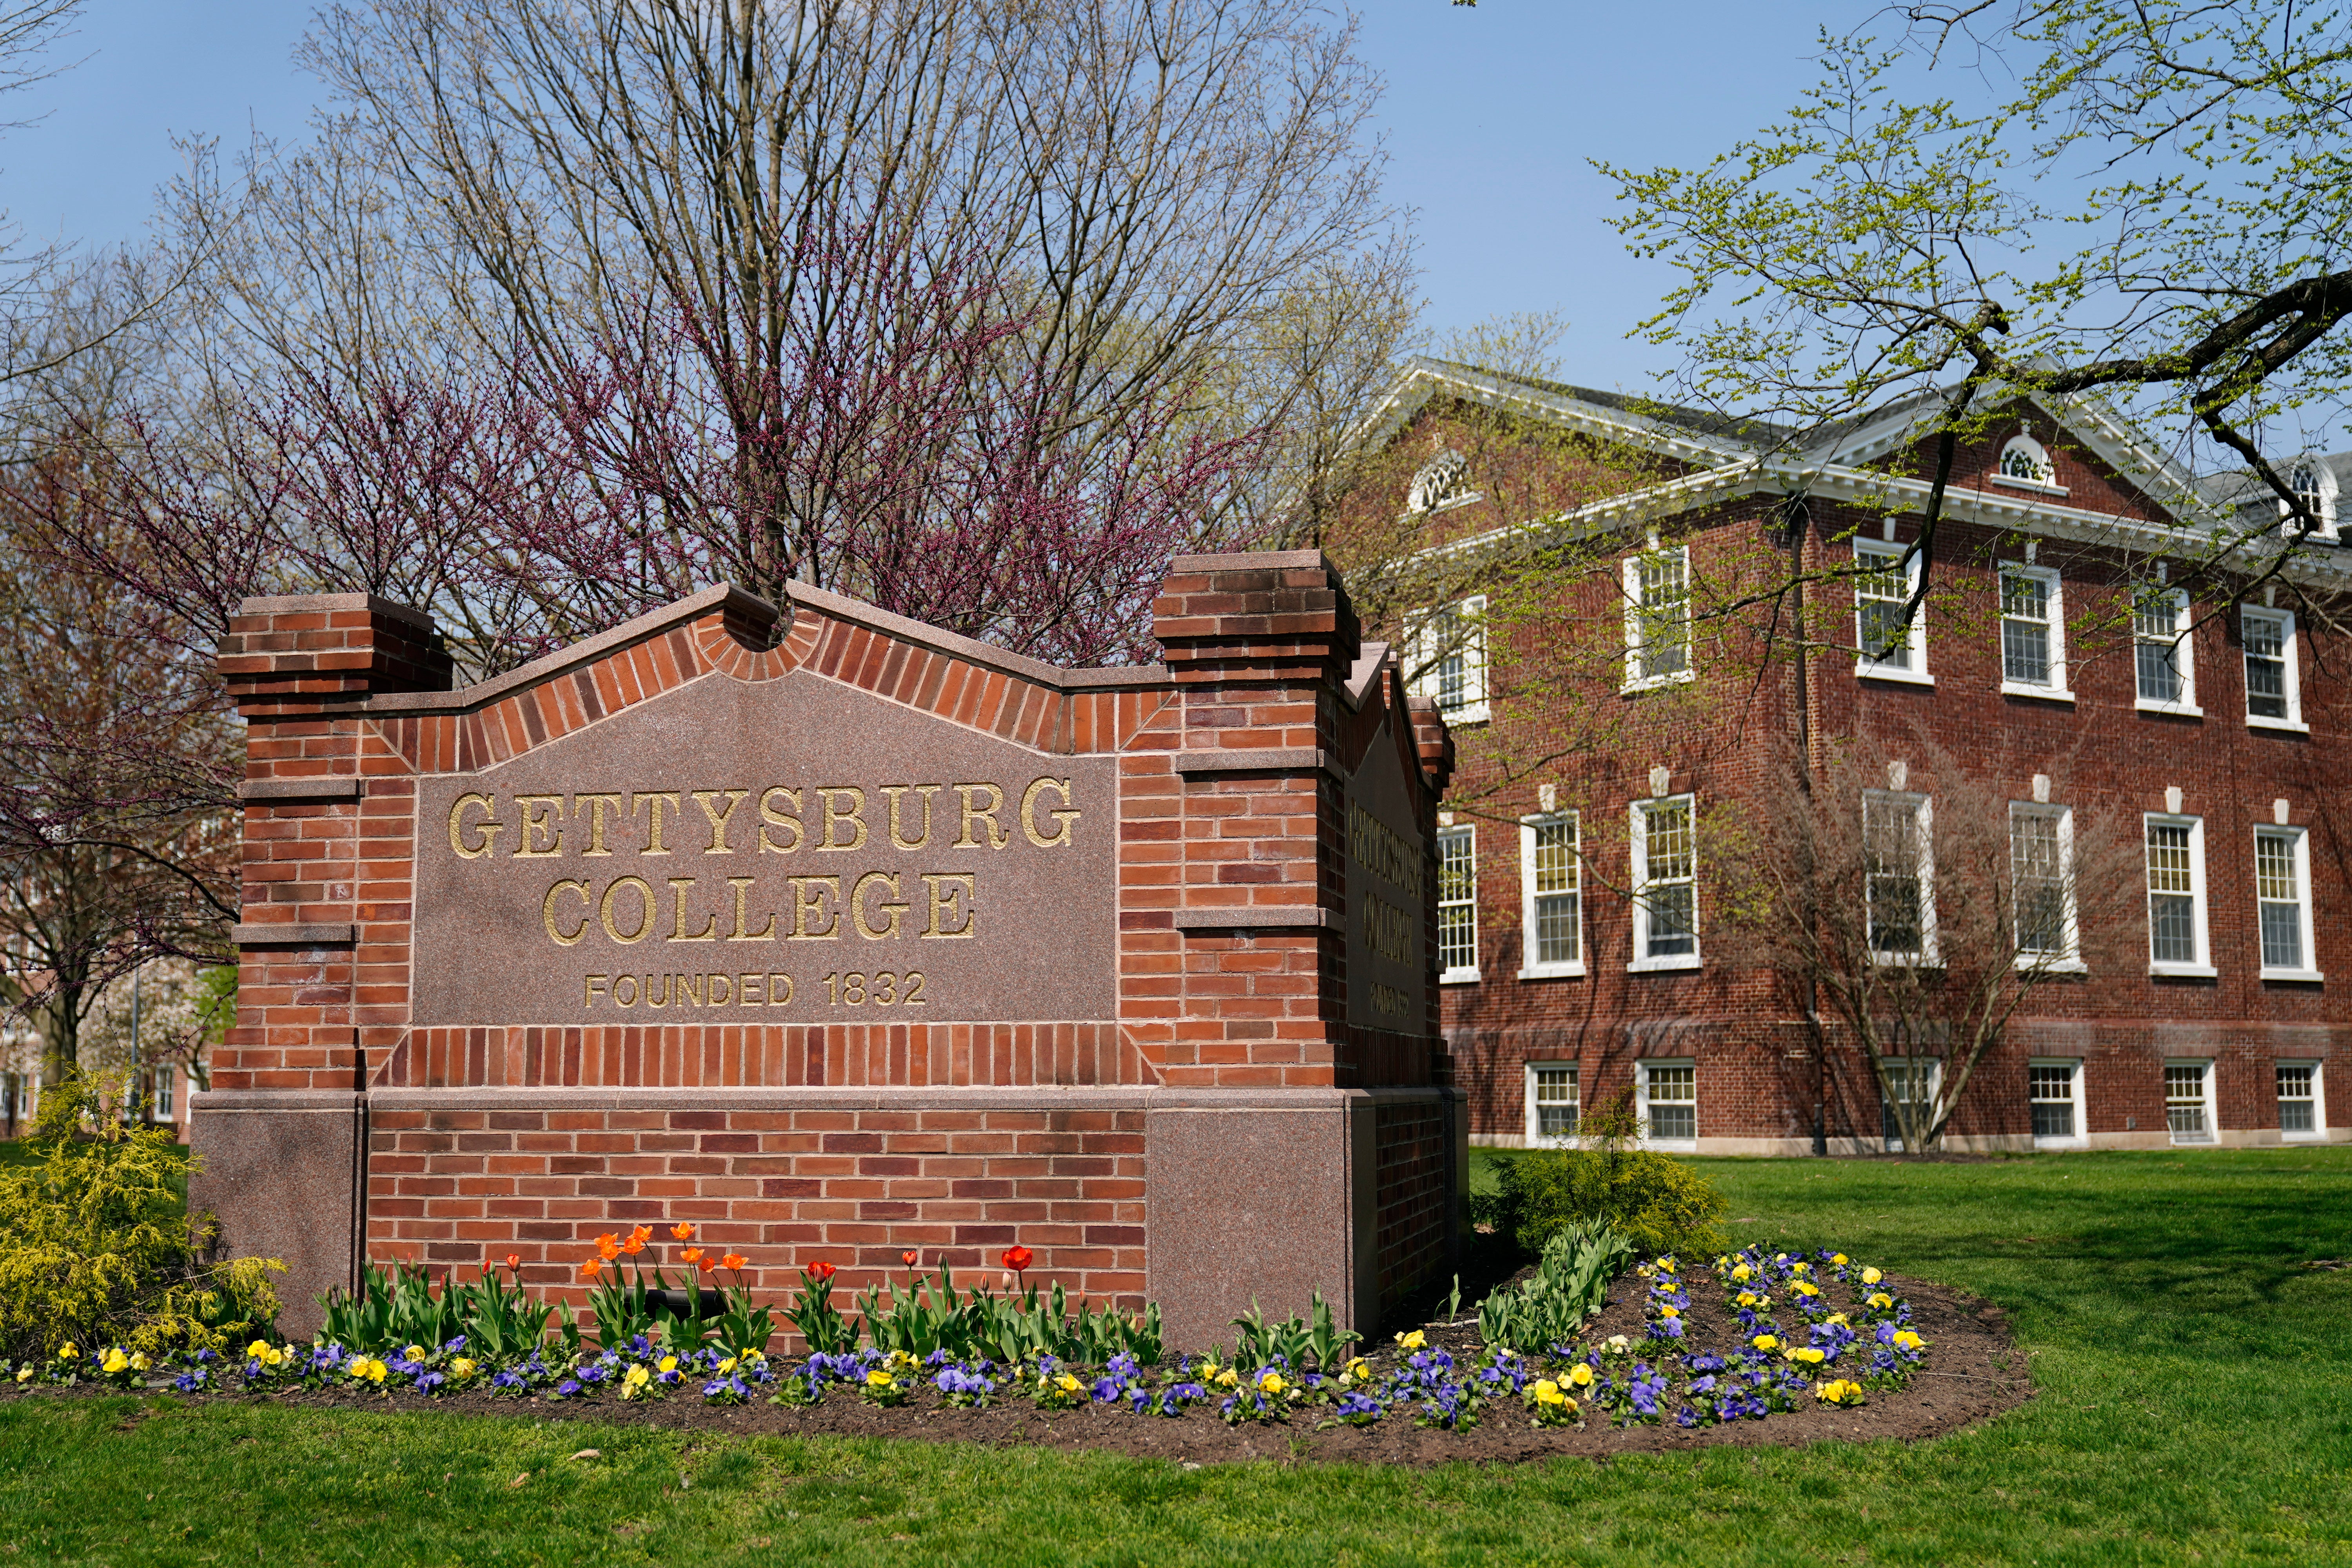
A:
x: 1665, y: 883
x: 2283, y: 903
x: 2162, y: 662
x: 2042, y: 865
x: 1669, y: 1103
x: 1893, y: 645
x: 1450, y: 660
x: 1913, y: 1080
x: 1898, y: 875
x: 2175, y: 895
x: 167, y: 1075
x: 2055, y: 1093
x: 2273, y: 691
x: 1657, y: 617
x: 2301, y: 1112
x: 2189, y: 1102
x: 1552, y: 880
x: 1457, y: 904
x: 2032, y: 631
x: 1551, y: 1101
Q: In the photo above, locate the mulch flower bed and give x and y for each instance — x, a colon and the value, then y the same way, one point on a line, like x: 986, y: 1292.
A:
x: 1670, y: 1359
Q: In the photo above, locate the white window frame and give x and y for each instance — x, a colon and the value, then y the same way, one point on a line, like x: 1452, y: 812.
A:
x: 2300, y: 837
x: 1532, y: 967
x: 164, y: 1091
x: 2053, y: 623
x: 2202, y: 966
x: 2081, y: 1137
x: 1458, y: 974
x: 2070, y: 960
x: 1915, y: 637
x: 2324, y: 492
x: 1637, y: 679
x: 1428, y: 645
x: 1894, y: 1141
x: 1922, y: 816
x: 1643, y: 882
x: 2292, y: 673
x: 1537, y: 1139
x: 2317, y: 1131
x: 2204, y: 1064
x: 2184, y: 660
x: 1641, y: 1071
x: 2045, y: 473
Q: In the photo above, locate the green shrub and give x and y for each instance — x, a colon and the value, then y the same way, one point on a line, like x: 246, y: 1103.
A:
x: 1658, y: 1202
x: 1570, y: 1286
x: 96, y: 1247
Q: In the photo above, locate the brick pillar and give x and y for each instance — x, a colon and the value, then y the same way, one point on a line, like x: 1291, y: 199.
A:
x: 1262, y: 1179
x: 282, y: 1134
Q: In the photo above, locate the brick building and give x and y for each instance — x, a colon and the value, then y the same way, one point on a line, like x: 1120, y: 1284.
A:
x: 2083, y: 651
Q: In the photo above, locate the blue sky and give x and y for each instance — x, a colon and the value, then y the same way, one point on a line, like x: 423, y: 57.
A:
x: 1491, y: 113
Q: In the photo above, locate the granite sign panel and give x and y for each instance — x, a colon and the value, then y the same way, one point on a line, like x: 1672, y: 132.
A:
x: 1387, y: 882
x: 788, y: 851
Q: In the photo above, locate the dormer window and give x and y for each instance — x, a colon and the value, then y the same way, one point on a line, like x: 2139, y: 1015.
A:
x: 1439, y: 483
x: 2314, y: 484
x: 2025, y: 463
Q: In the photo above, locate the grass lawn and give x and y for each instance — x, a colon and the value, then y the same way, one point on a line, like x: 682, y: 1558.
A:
x: 2196, y: 1406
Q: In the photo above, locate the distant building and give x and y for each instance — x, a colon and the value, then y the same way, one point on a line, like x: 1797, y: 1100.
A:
x: 2060, y: 639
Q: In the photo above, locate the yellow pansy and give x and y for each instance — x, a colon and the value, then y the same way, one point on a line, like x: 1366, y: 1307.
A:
x: 1271, y: 1382
x: 139, y: 1361
x: 67, y: 1351
x: 1765, y: 1343
x: 1743, y: 1274
x: 1800, y: 1266
x: 114, y: 1361
x: 1805, y: 1289
x: 1358, y: 1370
x: 1806, y: 1354
x: 1412, y: 1341
x: 1879, y: 1299
x: 1838, y: 1318
x: 1838, y: 1258
x: 463, y: 1368
x: 24, y: 1373
x: 634, y: 1380
x: 877, y: 1378
x: 727, y: 1366
x: 1580, y: 1375
x: 1744, y: 1298
x: 1872, y: 1276
x: 669, y: 1364
x: 1670, y: 1312
x: 1907, y: 1340
x: 413, y: 1353
x: 1225, y: 1379
x: 257, y: 1349
x: 1069, y: 1384
x: 1546, y: 1392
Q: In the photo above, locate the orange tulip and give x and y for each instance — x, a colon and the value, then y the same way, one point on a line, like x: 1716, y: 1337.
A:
x: 608, y: 1246
x: 634, y: 1246
x: 514, y: 1260
x: 734, y: 1260
x: 692, y: 1255
x: 590, y: 1269
x: 642, y: 1234
x: 682, y: 1231
x: 707, y: 1264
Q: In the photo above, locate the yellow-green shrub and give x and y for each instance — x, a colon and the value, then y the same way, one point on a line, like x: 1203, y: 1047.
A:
x: 1659, y: 1202
x: 95, y: 1247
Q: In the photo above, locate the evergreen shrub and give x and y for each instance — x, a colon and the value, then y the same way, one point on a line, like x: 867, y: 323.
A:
x: 1658, y: 1202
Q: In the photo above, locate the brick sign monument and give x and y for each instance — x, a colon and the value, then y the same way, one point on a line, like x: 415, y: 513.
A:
x: 840, y: 935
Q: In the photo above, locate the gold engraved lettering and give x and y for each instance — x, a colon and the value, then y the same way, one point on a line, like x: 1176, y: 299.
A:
x: 835, y: 815
x: 594, y: 806
x: 487, y: 832
x: 703, y: 797
x: 952, y: 898
x: 664, y: 1001
x: 722, y: 990
x: 775, y: 1000
x: 770, y: 817
x: 994, y: 835
x: 745, y: 985
x: 631, y: 982
x: 687, y: 988
x: 859, y: 908
x: 595, y: 983
x: 654, y: 844
x: 743, y: 885
x: 645, y: 911
x: 677, y: 931
x: 547, y: 911
x: 899, y: 840
x: 809, y: 894
x: 1065, y: 818
x: 1388, y: 930
x: 541, y: 814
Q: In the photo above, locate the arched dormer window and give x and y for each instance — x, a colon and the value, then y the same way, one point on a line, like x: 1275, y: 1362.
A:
x: 2314, y: 484
x: 2025, y: 461
x: 1438, y: 484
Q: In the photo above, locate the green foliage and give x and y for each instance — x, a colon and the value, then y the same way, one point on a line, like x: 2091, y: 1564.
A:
x: 1569, y: 1285
x: 398, y: 1307
x: 929, y: 1314
x: 1297, y: 1341
x: 96, y: 1247
x: 1659, y: 1203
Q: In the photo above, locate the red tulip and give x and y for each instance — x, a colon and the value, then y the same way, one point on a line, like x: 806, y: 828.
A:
x: 705, y: 1262
x: 1018, y: 1258
x: 820, y: 1270
x: 909, y: 1258
x: 514, y: 1260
